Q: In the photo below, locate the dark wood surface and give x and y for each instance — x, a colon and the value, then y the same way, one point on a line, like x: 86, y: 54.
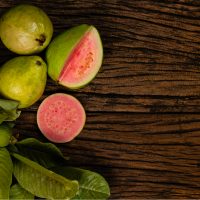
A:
x: 143, y: 108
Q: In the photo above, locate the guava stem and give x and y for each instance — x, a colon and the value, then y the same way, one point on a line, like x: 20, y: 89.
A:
x: 13, y: 140
x: 41, y: 40
x: 38, y: 63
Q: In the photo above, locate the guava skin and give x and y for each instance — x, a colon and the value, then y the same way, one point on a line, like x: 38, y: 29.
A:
x: 5, y: 135
x: 25, y: 29
x: 23, y: 79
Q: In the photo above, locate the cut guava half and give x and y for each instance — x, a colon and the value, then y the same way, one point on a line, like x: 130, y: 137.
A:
x: 75, y: 57
x: 61, y: 117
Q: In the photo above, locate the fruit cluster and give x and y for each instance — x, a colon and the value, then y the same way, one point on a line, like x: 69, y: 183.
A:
x: 73, y: 59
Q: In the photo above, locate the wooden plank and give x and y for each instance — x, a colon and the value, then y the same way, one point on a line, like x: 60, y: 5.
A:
x: 151, y: 65
x: 93, y: 102
x: 141, y: 155
x: 130, y: 128
x: 152, y: 53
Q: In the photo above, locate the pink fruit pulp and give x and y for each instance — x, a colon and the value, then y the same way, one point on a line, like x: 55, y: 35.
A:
x: 82, y: 62
x: 61, y: 117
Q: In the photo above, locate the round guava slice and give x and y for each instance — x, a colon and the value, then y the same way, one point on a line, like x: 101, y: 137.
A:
x: 61, y: 117
x: 75, y: 56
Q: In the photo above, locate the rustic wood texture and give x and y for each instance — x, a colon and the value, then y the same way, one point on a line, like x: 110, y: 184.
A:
x: 143, y: 114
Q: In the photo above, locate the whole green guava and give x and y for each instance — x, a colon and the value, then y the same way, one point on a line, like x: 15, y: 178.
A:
x: 23, y: 79
x: 25, y: 29
x: 5, y: 135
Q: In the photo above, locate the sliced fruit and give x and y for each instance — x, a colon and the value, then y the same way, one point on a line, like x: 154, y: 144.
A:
x: 23, y: 79
x: 75, y: 57
x: 61, y: 117
x: 25, y: 29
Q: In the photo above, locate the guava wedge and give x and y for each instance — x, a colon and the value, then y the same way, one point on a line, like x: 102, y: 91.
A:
x: 75, y: 57
x: 25, y: 29
x: 61, y: 117
x: 23, y: 79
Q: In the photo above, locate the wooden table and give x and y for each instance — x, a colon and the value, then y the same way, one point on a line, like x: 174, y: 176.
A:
x: 143, y: 108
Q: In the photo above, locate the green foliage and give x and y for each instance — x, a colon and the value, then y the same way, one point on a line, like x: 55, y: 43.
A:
x: 6, y: 169
x: 92, y: 185
x: 45, y: 154
x: 42, y: 182
x: 8, y: 110
x: 17, y: 192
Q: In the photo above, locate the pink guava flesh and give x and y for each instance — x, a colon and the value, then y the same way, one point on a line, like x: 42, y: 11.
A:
x: 61, y: 117
x: 84, y: 62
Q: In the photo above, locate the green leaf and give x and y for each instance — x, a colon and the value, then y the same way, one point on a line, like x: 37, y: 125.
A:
x: 3, y: 115
x: 45, y: 154
x: 6, y: 169
x: 91, y: 184
x: 8, y: 110
x: 8, y: 104
x: 42, y: 182
x: 17, y: 192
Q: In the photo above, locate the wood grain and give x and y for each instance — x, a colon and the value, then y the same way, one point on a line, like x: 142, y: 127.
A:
x: 143, y: 113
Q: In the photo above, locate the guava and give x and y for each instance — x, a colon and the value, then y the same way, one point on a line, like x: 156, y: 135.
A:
x: 25, y: 29
x: 75, y: 56
x: 23, y: 79
x: 5, y: 135
x: 61, y: 117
